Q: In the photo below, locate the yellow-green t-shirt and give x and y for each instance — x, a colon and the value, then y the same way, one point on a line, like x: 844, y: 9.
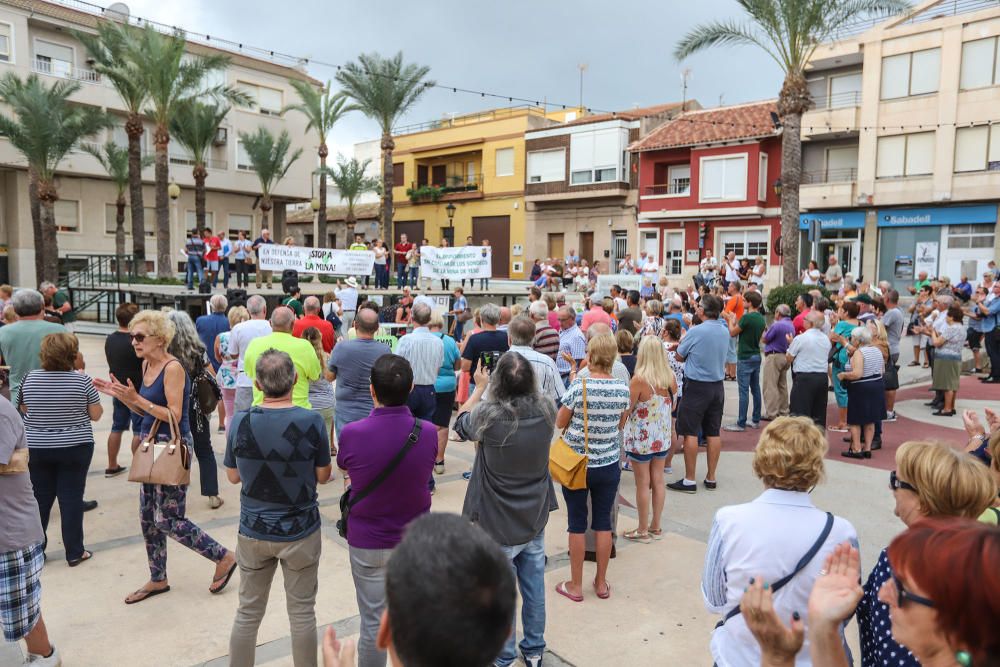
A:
x: 303, y: 356
x: 990, y: 516
x: 358, y: 246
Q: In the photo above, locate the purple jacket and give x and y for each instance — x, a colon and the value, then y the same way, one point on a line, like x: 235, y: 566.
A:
x: 366, y: 448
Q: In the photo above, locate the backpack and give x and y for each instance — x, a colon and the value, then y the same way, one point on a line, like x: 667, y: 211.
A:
x: 333, y: 319
x: 205, y: 393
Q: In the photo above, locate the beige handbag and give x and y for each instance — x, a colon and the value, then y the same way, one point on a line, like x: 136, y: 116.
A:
x: 167, y: 463
x: 565, y: 465
x: 18, y: 463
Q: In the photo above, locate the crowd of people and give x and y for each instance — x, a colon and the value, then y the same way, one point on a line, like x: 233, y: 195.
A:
x: 310, y: 391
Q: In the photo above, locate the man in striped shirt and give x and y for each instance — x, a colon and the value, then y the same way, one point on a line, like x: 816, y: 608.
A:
x: 425, y: 352
x: 520, y: 333
x: 546, y: 339
x: 571, y: 342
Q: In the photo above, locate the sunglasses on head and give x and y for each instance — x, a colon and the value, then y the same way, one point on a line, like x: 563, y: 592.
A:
x: 895, y: 483
x: 903, y: 595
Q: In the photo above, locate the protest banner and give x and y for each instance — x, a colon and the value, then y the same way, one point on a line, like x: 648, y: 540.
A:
x: 627, y: 281
x: 273, y: 257
x: 456, y: 263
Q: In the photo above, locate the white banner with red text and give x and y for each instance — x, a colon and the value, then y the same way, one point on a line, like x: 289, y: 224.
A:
x: 456, y: 263
x: 274, y: 257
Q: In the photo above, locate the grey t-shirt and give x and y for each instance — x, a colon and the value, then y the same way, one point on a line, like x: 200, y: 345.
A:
x: 352, y: 361
x: 20, y: 526
x: 894, y: 322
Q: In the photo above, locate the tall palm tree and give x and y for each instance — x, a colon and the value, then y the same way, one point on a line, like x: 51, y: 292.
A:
x: 789, y: 31
x: 194, y: 126
x: 115, y: 160
x: 322, y: 108
x: 171, y: 81
x: 384, y: 89
x: 350, y: 179
x: 271, y: 158
x: 44, y: 127
x: 108, y: 49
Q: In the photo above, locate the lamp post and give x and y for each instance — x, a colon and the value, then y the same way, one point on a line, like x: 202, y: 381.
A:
x: 777, y: 187
x: 450, y: 210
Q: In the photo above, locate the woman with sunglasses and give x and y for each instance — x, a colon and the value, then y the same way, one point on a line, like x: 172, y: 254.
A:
x: 930, y: 480
x: 165, y: 391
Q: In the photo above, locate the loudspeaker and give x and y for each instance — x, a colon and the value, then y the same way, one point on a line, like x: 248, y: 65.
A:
x: 236, y: 297
x: 289, y: 278
x: 205, y: 287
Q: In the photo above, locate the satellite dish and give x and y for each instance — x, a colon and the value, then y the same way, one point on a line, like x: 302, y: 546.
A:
x: 119, y: 11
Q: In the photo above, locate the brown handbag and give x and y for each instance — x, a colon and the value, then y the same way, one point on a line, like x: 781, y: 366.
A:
x: 167, y: 463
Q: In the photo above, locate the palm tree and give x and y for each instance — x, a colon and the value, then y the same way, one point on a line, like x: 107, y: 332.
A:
x: 350, y: 179
x: 171, y: 81
x: 384, y: 89
x: 115, y: 161
x: 108, y: 49
x: 789, y: 31
x: 271, y: 160
x: 322, y: 108
x: 44, y: 127
x: 194, y: 125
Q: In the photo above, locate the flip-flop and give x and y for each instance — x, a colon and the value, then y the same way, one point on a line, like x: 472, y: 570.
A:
x: 148, y: 594
x: 87, y: 555
x: 561, y: 590
x: 224, y: 579
x: 607, y: 592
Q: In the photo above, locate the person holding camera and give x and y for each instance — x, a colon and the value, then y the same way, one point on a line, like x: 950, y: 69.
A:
x: 489, y: 343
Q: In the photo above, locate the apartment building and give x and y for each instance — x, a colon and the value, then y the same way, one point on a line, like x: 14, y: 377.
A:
x: 473, y: 168
x: 709, y: 180
x: 581, y: 184
x: 35, y: 38
x: 901, y: 153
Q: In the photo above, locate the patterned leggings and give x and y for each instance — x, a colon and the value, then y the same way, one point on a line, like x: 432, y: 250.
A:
x: 161, y: 513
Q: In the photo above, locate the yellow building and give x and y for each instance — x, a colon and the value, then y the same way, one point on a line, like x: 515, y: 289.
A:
x: 475, y: 163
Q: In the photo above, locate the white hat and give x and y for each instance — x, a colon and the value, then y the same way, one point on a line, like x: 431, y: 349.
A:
x: 352, y: 282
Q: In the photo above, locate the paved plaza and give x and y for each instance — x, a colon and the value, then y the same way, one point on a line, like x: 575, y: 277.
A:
x: 655, y: 615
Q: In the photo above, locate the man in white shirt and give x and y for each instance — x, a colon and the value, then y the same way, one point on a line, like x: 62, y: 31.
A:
x: 348, y: 304
x: 732, y: 268
x: 520, y: 334
x: 425, y: 352
x: 641, y: 262
x: 239, y: 340
x: 650, y: 269
x: 809, y: 353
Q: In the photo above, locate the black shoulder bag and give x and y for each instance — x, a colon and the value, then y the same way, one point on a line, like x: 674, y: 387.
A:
x: 780, y: 583
x: 349, y: 500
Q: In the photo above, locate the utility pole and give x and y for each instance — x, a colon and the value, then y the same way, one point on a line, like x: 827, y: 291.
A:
x: 685, y: 75
x: 583, y: 68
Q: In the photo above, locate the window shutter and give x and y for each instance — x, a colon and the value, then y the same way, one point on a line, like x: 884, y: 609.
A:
x: 920, y: 154
x: 977, y: 63
x: 505, y: 162
x: 925, y: 71
x: 735, y: 179
x: 606, y: 149
x: 270, y: 99
x: 713, y: 173
x: 581, y: 151
x: 895, y: 76
x: 970, y: 148
x: 890, y: 156
x: 66, y: 215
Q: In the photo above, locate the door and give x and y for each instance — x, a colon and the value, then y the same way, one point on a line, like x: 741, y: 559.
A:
x: 448, y: 233
x: 439, y: 175
x: 414, y: 230
x: 496, y: 228
x: 586, y: 249
x: 673, y: 253
x: 619, y: 248
x: 848, y: 253
x: 421, y: 175
x: 556, y: 246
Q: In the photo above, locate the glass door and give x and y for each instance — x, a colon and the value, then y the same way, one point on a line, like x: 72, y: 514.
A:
x: 847, y: 252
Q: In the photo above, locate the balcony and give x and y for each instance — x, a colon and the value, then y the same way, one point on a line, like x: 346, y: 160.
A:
x: 851, y: 98
x: 828, y: 188
x: 453, y: 188
x: 833, y: 115
x: 65, y: 70
x: 679, y: 188
x: 844, y: 175
x: 210, y: 163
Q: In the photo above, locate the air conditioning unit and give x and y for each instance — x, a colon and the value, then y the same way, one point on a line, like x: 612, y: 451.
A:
x: 221, y: 136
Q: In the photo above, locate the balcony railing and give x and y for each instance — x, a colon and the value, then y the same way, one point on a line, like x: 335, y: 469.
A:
x: 837, y: 101
x: 210, y: 163
x: 844, y: 175
x: 65, y: 70
x: 675, y: 188
x: 422, y: 192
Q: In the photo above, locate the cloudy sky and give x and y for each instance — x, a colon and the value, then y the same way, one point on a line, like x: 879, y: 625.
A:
x: 525, y: 48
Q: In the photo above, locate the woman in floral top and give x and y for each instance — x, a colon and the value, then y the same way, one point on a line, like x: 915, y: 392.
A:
x: 226, y: 375
x: 672, y: 333
x: 648, y: 434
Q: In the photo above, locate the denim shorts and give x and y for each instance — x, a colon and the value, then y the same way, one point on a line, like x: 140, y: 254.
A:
x: 122, y: 418
x: 646, y: 458
x: 602, y: 487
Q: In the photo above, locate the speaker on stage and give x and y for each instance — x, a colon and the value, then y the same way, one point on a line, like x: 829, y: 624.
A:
x: 289, y: 277
x: 236, y: 297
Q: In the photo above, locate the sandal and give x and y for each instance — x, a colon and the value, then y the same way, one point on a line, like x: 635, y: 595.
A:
x: 224, y: 579
x: 87, y: 555
x: 561, y: 590
x: 607, y: 590
x: 913, y: 363
x: 927, y: 365
x: 637, y: 536
x: 145, y: 593
x: 656, y: 534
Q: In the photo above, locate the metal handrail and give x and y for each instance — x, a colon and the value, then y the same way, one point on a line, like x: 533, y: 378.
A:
x: 65, y: 70
x: 843, y: 175
x: 837, y: 101
x: 454, y: 184
x: 675, y: 188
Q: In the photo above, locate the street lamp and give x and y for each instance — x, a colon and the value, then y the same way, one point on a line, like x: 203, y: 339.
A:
x: 314, y: 204
x: 450, y: 210
x: 777, y: 187
x: 174, y: 190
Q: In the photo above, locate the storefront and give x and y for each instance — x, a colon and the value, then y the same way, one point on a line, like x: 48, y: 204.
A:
x: 952, y: 241
x: 841, y: 235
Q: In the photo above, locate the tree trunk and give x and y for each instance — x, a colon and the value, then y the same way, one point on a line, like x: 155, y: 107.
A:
x: 350, y: 220
x: 164, y: 263
x: 36, y: 223
x: 47, y: 197
x: 265, y: 207
x: 134, y: 130
x: 385, y: 222
x: 791, y: 176
x: 120, y: 229
x: 321, y: 241
x: 200, y: 174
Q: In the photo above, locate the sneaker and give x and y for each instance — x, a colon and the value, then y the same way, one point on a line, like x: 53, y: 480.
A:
x: 627, y: 467
x: 709, y: 484
x: 89, y: 505
x: 754, y: 424
x: 668, y: 470
x: 734, y: 427
x: 439, y: 468
x: 532, y: 660
x: 467, y: 475
x: 52, y: 660
x: 679, y: 485
x: 890, y: 416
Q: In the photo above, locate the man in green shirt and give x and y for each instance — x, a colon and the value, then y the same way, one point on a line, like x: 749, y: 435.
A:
x: 921, y: 281
x: 294, y: 301
x: 21, y: 342
x: 359, y: 243
x: 307, y: 367
x: 60, y: 303
x: 750, y: 329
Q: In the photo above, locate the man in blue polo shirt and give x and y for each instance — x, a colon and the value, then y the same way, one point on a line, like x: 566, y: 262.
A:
x: 989, y: 308
x: 703, y: 350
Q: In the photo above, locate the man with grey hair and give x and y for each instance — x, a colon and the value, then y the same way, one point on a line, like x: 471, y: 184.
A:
x: 425, y: 352
x: 307, y: 368
x: 239, y: 340
x: 774, y: 377
x: 618, y: 369
x: 21, y: 342
x: 279, y: 452
x: 60, y: 303
x: 505, y: 317
x: 521, y: 334
x: 572, y: 344
x: 487, y: 345
x: 209, y: 327
x: 938, y: 321
x: 351, y: 366
x: 546, y: 339
x: 808, y: 353
x: 312, y: 317
x: 833, y: 279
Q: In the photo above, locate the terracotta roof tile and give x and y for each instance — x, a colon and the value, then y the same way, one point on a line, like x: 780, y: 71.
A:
x: 708, y: 126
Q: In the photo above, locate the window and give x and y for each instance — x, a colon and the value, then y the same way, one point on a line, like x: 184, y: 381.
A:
x: 546, y: 166
x: 970, y: 236
x: 398, y: 175
x: 673, y: 262
x: 845, y: 91
x: 595, y: 157
x: 977, y: 148
x: 191, y: 220
x: 745, y: 243
x: 239, y: 222
x: 906, y: 74
x: 67, y: 214
x: 6, y: 37
x: 841, y: 164
x: 762, y: 178
x: 242, y: 158
x: 267, y: 101
x: 54, y: 59
x: 679, y: 179
x: 148, y: 219
x: 980, y: 67
x: 905, y: 155
x: 724, y: 178
x: 505, y: 162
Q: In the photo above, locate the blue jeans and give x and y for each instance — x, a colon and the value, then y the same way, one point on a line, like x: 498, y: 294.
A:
x: 748, y: 379
x: 528, y: 563
x: 194, y: 265
x: 381, y: 276
x: 401, y: 274
x: 414, y: 272
x: 224, y: 270
x: 484, y: 283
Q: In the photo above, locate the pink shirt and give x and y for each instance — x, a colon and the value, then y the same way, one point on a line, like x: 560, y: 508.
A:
x: 594, y: 315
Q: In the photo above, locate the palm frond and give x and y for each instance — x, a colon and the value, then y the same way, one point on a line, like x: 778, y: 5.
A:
x: 723, y: 33
x: 351, y: 181
x: 194, y: 126
x: 269, y: 156
x: 114, y: 159
x: 322, y: 108
x: 383, y: 89
x: 109, y: 51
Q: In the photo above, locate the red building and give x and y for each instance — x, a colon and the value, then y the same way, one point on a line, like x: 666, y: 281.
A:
x: 707, y: 181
